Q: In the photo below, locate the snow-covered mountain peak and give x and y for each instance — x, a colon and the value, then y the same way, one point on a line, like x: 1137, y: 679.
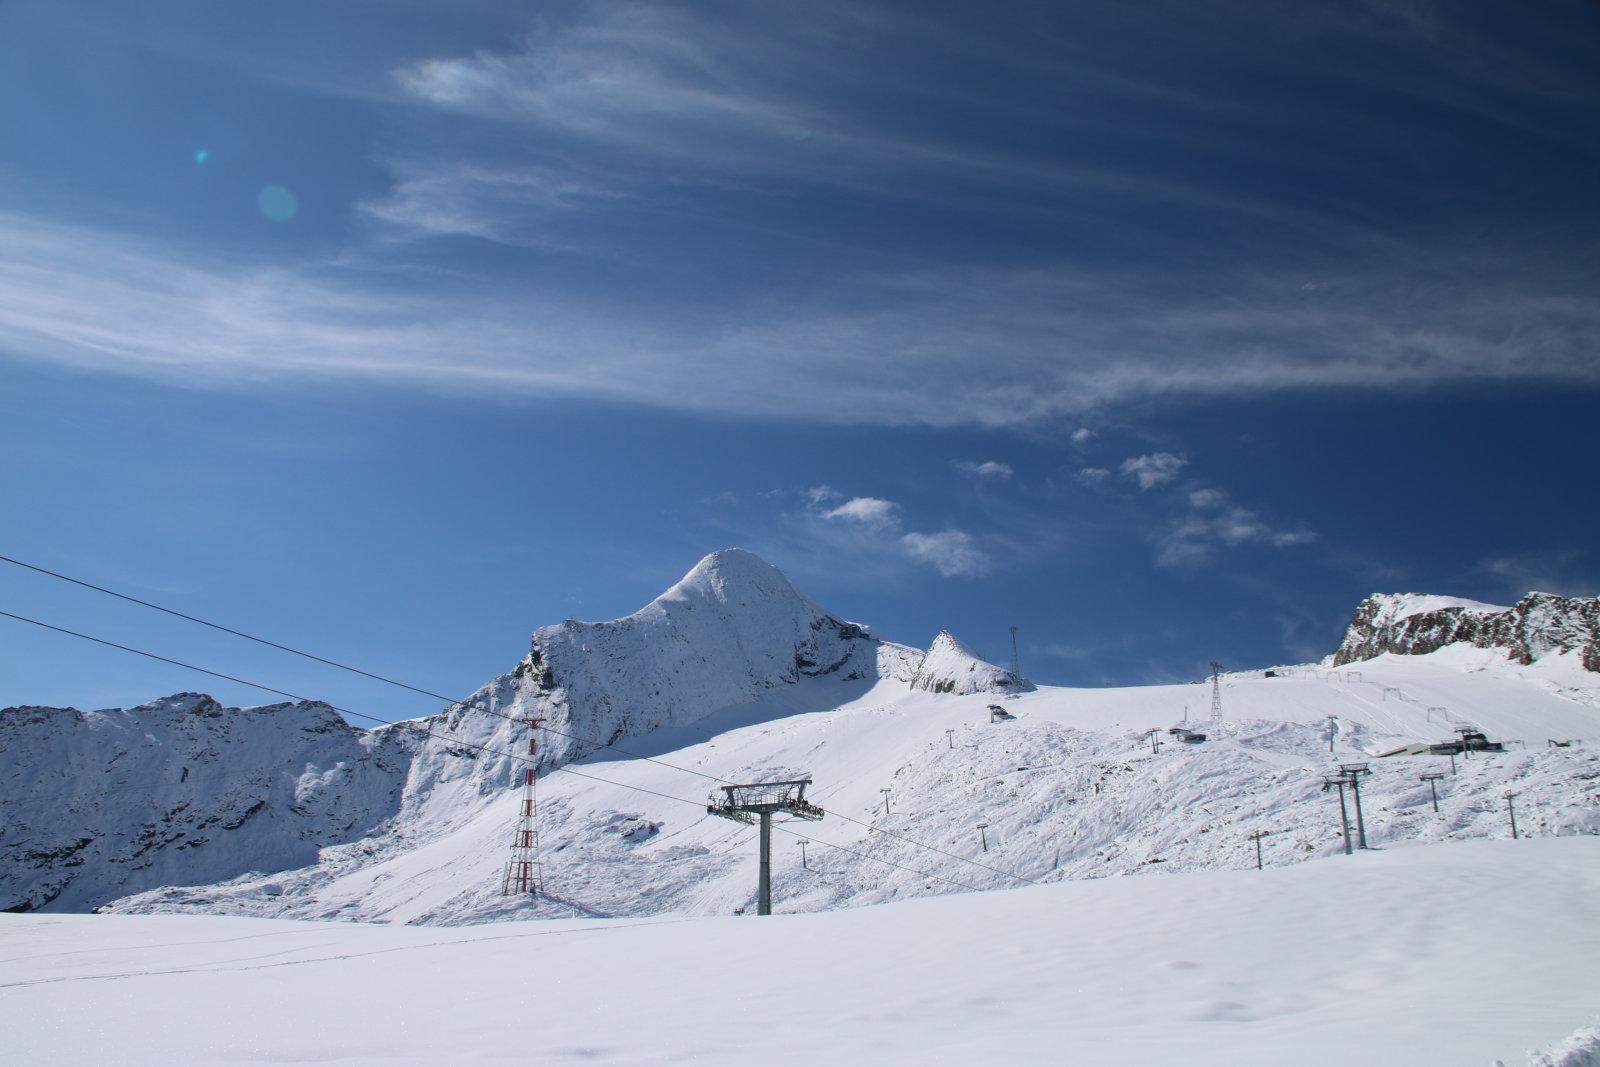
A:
x: 952, y: 667
x: 183, y: 703
x: 737, y: 578
x: 732, y: 627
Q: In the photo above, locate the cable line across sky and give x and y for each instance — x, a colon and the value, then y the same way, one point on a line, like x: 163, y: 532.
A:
x: 450, y: 704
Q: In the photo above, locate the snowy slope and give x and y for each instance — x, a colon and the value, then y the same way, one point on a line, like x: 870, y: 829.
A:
x: 1468, y: 954
x: 1070, y: 789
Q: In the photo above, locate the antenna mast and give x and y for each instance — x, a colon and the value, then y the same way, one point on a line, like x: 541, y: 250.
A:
x: 1014, y: 669
x: 523, y: 872
x: 1216, y: 691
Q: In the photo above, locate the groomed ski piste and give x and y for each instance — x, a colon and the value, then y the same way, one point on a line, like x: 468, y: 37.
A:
x: 1048, y: 887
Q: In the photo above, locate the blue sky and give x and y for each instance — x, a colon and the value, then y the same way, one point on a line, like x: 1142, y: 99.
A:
x: 1163, y: 332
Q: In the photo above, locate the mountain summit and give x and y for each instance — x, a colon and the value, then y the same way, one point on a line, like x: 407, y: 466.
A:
x: 952, y: 667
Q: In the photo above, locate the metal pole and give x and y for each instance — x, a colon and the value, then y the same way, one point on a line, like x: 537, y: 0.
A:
x: 950, y: 735
x: 1432, y: 786
x: 764, y: 895
x: 1344, y: 817
x: 803, y: 855
x: 983, y: 836
x: 885, y: 792
x: 1512, y: 811
x: 1361, y: 825
x: 1452, y: 756
x: 1256, y: 837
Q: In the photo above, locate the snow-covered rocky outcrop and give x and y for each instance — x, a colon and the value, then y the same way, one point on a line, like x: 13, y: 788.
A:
x: 96, y: 805
x: 1416, y: 624
x: 951, y: 667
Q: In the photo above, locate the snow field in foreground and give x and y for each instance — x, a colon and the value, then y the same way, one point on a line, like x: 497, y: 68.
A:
x: 1463, y: 953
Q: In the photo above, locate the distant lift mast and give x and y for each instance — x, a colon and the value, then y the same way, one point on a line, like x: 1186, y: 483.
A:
x: 1216, y: 691
x: 524, y: 874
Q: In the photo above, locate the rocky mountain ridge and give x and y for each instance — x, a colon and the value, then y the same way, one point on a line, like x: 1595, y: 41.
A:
x: 98, y: 804
x: 1415, y: 624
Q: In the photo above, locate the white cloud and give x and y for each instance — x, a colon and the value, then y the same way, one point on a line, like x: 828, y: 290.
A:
x: 868, y: 510
x: 822, y: 494
x: 1207, y: 498
x: 1092, y: 475
x: 952, y: 552
x: 1082, y: 435
x: 988, y: 469
x: 1192, y: 540
x: 1154, y: 469
x: 872, y: 525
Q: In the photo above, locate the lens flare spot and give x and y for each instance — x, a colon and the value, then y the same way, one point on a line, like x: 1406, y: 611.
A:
x: 201, y: 156
x: 277, y: 203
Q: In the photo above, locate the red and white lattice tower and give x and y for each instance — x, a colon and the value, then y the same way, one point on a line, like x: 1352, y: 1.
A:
x: 523, y: 872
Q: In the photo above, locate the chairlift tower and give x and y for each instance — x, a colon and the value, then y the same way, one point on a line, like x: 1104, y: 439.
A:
x: 1014, y: 668
x: 758, y: 803
x: 1216, y: 691
x: 1339, y: 781
x: 1353, y: 773
x: 524, y: 872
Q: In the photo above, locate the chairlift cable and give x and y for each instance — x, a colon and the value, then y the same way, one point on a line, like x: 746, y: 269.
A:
x: 414, y: 724
x: 450, y: 703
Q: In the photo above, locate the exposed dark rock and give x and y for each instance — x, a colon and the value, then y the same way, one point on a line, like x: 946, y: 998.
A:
x: 1412, y: 625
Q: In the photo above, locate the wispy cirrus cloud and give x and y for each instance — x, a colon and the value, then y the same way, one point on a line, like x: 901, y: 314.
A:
x: 889, y: 351
x: 1217, y: 523
x: 642, y: 73
x: 1566, y: 573
x: 497, y: 202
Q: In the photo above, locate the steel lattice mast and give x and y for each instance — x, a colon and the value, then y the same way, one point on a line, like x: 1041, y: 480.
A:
x: 524, y: 872
x: 1216, y: 691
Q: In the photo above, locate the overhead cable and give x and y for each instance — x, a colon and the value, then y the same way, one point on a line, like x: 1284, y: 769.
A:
x: 415, y: 725
x: 469, y: 703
